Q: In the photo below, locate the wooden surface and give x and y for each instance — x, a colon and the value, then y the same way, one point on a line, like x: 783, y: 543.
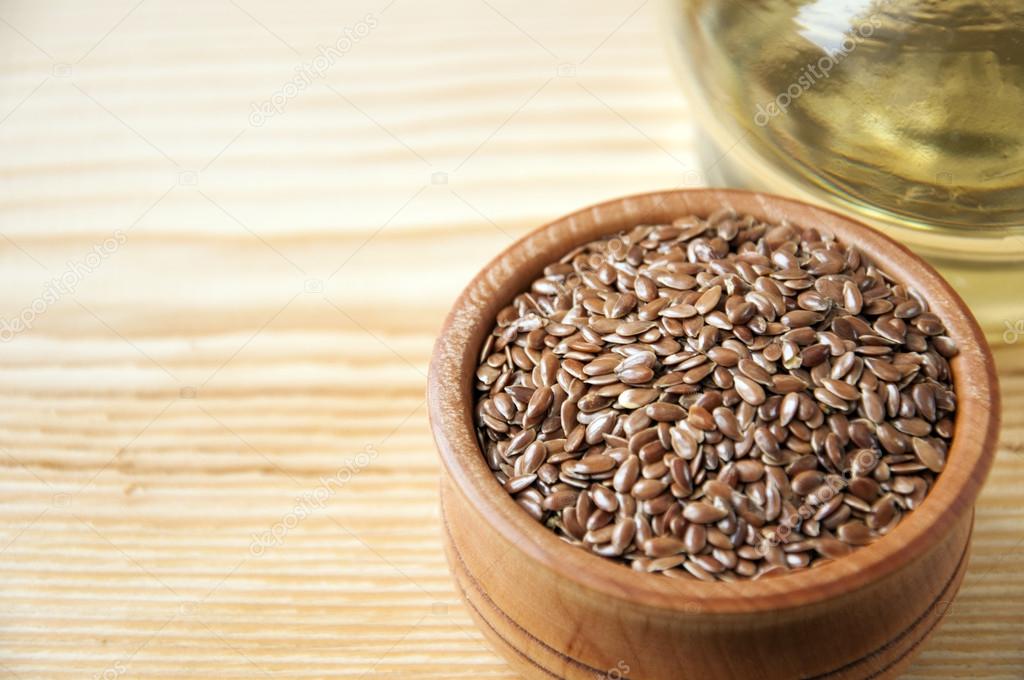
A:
x: 270, y: 313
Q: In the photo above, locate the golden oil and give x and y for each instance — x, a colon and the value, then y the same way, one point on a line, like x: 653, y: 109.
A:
x: 908, y: 114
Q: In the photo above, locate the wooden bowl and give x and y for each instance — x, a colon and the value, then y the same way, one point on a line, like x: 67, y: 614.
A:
x: 557, y: 611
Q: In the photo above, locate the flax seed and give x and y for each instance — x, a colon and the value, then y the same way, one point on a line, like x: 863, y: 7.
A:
x: 716, y: 399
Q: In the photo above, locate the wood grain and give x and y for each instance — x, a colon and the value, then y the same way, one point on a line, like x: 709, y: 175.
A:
x: 271, y: 313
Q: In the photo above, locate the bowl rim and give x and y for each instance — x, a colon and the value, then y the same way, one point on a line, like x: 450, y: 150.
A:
x: 450, y: 399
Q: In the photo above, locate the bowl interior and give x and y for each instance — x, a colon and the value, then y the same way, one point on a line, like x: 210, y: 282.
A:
x: 451, y: 406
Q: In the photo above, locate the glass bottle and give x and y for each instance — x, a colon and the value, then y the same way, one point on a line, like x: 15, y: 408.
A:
x: 907, y: 114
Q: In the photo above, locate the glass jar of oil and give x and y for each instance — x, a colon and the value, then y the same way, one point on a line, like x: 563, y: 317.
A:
x: 908, y: 114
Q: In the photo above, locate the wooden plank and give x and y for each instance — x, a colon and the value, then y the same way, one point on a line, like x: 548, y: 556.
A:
x: 269, y: 315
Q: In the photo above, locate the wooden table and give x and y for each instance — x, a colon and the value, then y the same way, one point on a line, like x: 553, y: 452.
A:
x: 216, y: 459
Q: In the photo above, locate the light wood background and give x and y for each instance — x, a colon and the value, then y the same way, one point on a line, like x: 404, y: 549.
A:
x: 267, y: 321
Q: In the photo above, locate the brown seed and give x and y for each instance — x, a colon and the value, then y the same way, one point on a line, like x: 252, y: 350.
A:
x: 598, y: 519
x: 725, y: 420
x: 854, y: 533
x: 755, y: 372
x: 680, y: 312
x: 646, y: 489
x: 890, y: 439
x: 630, y: 328
x: 700, y: 418
x: 749, y: 470
x: 852, y: 298
x: 813, y: 356
x: 683, y: 443
x: 926, y: 452
x: 831, y: 548
x: 662, y: 546
x: 559, y: 500
x: 534, y: 456
x: 532, y: 508
x: 749, y: 391
x: 872, y: 406
x: 916, y: 496
x: 924, y: 400
x: 645, y: 288
x: 695, y: 375
x: 665, y: 563
x: 808, y: 482
x: 765, y: 441
x: 593, y: 464
x: 520, y: 441
x: 882, y: 512
x: 636, y: 398
x: 537, y: 409
x: 708, y: 300
x: 677, y: 281
x: 945, y: 346
x: 548, y: 473
x: 635, y: 375
x: 841, y: 389
x: 665, y: 412
x: 787, y: 384
x: 627, y: 474
x: 829, y: 507
x: 601, y: 366
x: 800, y: 318
x: 708, y: 564
x: 695, y: 538
x: 517, y: 484
x: 723, y: 357
x: 884, y: 370
x: 622, y: 535
x: 697, y: 571
x: 790, y: 407
x: 599, y: 427
x: 714, y: 488
x: 917, y: 427
x: 604, y: 498
x: 703, y: 513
